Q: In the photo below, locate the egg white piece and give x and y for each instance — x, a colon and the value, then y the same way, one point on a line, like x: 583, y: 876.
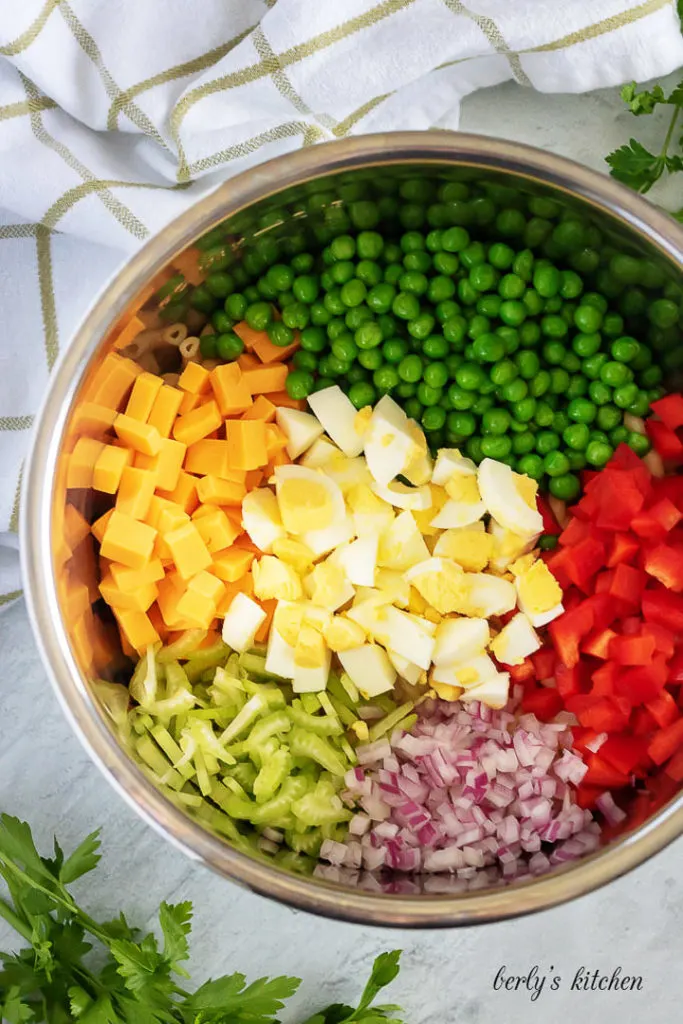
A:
x: 399, y: 632
x: 494, y: 691
x: 300, y: 428
x: 359, y: 560
x: 419, y: 471
x: 455, y: 514
x: 280, y: 655
x: 369, y: 669
x: 489, y: 595
x: 315, y: 478
x: 312, y: 680
x: 401, y: 544
x: 319, y: 454
x: 516, y: 641
x: 390, y: 446
x: 261, y: 518
x: 242, y: 622
x: 321, y: 542
x: 395, y: 585
x: 450, y: 462
x: 539, y: 619
x: 466, y: 674
x: 338, y: 416
x: 416, y: 499
x: 347, y: 473
x: 508, y: 546
x: 503, y: 500
x: 408, y: 670
x: 460, y: 639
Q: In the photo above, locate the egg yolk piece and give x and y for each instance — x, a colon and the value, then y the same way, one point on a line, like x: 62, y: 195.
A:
x: 443, y: 587
x: 305, y: 505
x: 538, y: 589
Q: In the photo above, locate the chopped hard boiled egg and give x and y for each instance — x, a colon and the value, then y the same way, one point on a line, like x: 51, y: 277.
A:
x: 359, y: 560
x: 369, y: 669
x: 539, y: 594
x: 261, y: 518
x: 307, y: 499
x: 401, y: 545
x: 507, y: 500
x: 441, y: 582
x: 450, y: 463
x: 300, y: 428
x: 392, y: 442
x: 460, y: 639
x: 347, y: 473
x: 341, y: 634
x: 319, y: 454
x: 467, y: 673
x: 309, y: 649
x: 369, y: 513
x: 408, y: 670
x: 242, y: 621
x: 516, y: 641
x: 494, y: 691
x: 488, y: 595
x: 455, y: 514
x: 507, y: 546
x: 338, y: 417
x: 279, y: 655
x: 417, y: 499
x: 275, y: 579
x: 328, y: 586
x: 294, y: 552
x: 470, y: 546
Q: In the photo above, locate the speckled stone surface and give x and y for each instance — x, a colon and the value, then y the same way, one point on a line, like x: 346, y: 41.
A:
x: 448, y: 977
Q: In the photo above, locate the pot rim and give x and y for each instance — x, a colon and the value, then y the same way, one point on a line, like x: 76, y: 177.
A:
x: 316, y: 896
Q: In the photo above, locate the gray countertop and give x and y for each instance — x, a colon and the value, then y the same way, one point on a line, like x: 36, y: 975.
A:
x: 635, y: 924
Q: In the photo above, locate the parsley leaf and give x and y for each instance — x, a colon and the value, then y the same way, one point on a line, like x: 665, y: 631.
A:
x: 84, y: 859
x: 635, y: 165
x: 175, y: 925
x: 257, y: 1003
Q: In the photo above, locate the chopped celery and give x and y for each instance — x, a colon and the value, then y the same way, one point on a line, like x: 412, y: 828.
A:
x: 325, y: 704
x: 272, y: 724
x: 309, y: 744
x: 337, y: 692
x: 245, y: 774
x: 261, y: 753
x: 219, y: 822
x: 192, y: 800
x: 254, y: 665
x: 349, y: 687
x: 203, y: 780
x: 115, y: 699
x: 172, y: 751
x: 207, y: 657
x: 309, y: 702
x: 226, y: 689
x: 271, y: 776
x: 320, y: 806
x: 251, y: 710
x: 308, y: 841
x: 183, y: 646
x: 277, y: 812
x: 296, y: 862
x: 384, y: 702
x: 348, y: 750
x: 347, y: 716
x: 152, y: 756
x: 240, y: 807
x: 387, y: 723
x: 144, y: 684
x: 407, y: 723
x: 323, y: 725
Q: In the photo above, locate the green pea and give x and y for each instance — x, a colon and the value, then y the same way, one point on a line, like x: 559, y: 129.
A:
x: 640, y: 406
x: 489, y: 305
x: 336, y: 328
x: 208, y: 346
x: 539, y: 384
x: 313, y: 339
x: 559, y: 381
x: 577, y: 460
x: 598, y: 453
x: 625, y: 395
x: 421, y: 326
x: 455, y: 239
x: 435, y: 347
x: 413, y: 409
x: 370, y: 358
x: 473, y: 449
x: 548, y: 542
x: 428, y: 395
x: 280, y: 334
x: 571, y: 363
x: 523, y: 442
x: 577, y: 387
x: 515, y: 391
x: 571, y: 286
x: 460, y: 399
x: 470, y: 377
x: 529, y: 334
x: 462, y: 423
x: 650, y: 377
x: 343, y: 247
x: 305, y: 361
x: 547, y: 441
x: 638, y: 443
x: 345, y: 348
x: 333, y: 302
x: 581, y: 410
x: 368, y: 335
x: 455, y: 329
x: 524, y: 410
x: 229, y: 347
x: 512, y: 312
x: 362, y: 394
x: 599, y: 392
x: 565, y: 487
x: 394, y: 350
x: 500, y: 255
x: 625, y: 349
x: 435, y: 375
x: 222, y: 322
x: 320, y: 315
x: 405, y: 306
x: 608, y: 417
x: 586, y: 345
x: 433, y: 418
x: 544, y: 414
x: 483, y: 277
x: 369, y: 245
x: 299, y: 384
x: 554, y: 326
x: 523, y: 265
x: 446, y: 263
x: 592, y: 366
x: 258, y: 315
x: 528, y: 363
x: 531, y: 465
x: 369, y: 272
x: 576, y: 436
x: 353, y: 292
x: 618, y: 435
x: 488, y: 348
x: 597, y: 301
x: 511, y: 286
x: 236, y: 306
x: 587, y: 318
x: 503, y: 372
x: 547, y: 281
x: 554, y: 353
x: 393, y: 273
x: 511, y: 222
x: 496, y: 421
x: 533, y: 302
x: 615, y: 374
x: 410, y: 369
x: 380, y: 297
x: 472, y: 255
x: 555, y: 463
x: 364, y: 214
x: 612, y: 325
x: 663, y: 313
x: 385, y: 378
x: 496, y: 447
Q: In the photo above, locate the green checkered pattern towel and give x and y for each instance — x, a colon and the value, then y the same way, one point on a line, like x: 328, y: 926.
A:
x: 115, y: 117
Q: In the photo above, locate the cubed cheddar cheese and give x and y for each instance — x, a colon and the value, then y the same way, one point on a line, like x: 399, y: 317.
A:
x: 188, y: 550
x: 262, y: 409
x: 165, y: 409
x: 75, y: 526
x: 195, y: 425
x: 128, y: 579
x: 127, y: 540
x: 284, y: 399
x: 76, y: 599
x: 247, y: 361
x: 264, y: 629
x: 156, y: 618
x: 138, y: 600
x: 215, y: 529
x: 170, y: 518
x: 145, y: 390
x: 112, y: 381
x: 157, y: 506
x: 128, y: 332
x: 81, y: 637
x: 231, y: 392
x: 190, y: 401
x: 214, y: 490
x: 184, y: 493
x: 82, y: 462
x: 100, y: 525
x: 137, y: 628
x: 142, y: 437
x: 135, y: 492
x: 266, y: 379
x: 165, y: 466
x: 254, y: 479
x: 230, y: 565
x: 246, y: 443
x: 276, y: 440
x: 195, y: 379
x: 109, y: 468
x: 244, y: 585
x: 209, y: 457
x: 83, y: 566
x: 169, y: 593
x: 269, y: 353
x: 201, y: 599
x: 93, y: 420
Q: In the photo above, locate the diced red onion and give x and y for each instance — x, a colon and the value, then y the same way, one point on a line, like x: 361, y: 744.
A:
x: 606, y: 805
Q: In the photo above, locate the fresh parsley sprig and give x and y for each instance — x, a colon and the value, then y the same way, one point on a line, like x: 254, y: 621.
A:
x: 125, y: 977
x: 635, y: 165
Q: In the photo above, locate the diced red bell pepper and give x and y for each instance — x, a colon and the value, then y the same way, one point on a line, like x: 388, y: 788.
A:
x: 632, y: 650
x: 603, y: 581
x: 585, y: 559
x: 568, y: 631
x: 544, y: 702
x: 601, y: 773
x: 663, y: 638
x: 625, y: 458
x: 597, y: 643
x: 670, y: 410
x: 587, y: 796
x: 618, y: 498
x: 632, y: 625
x: 676, y: 667
x: 663, y: 709
x: 603, y: 715
x: 624, y: 549
x: 604, y: 609
x: 568, y: 681
x: 604, y: 680
x: 670, y: 487
x: 657, y: 521
x: 550, y: 523
x: 583, y: 738
x: 674, y: 768
x: 664, y: 440
x: 544, y: 663
x: 624, y: 752
x: 575, y: 531
x: 556, y: 562
x: 572, y: 598
x: 628, y: 585
x: 642, y: 723
x: 587, y: 475
x: 667, y: 514
x: 667, y: 742
x: 666, y: 565
x: 643, y: 683
x: 664, y: 608
x: 520, y: 673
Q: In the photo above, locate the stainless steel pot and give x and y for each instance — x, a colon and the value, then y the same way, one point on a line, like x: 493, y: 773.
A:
x: 271, y: 197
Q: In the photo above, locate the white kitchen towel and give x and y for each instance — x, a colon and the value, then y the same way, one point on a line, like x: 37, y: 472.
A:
x: 116, y: 115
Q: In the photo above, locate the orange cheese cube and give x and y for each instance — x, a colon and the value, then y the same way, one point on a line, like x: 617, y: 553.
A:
x: 244, y: 585
x: 214, y: 490
x: 264, y: 629
x: 93, y: 420
x: 137, y: 628
x: 83, y: 567
x: 165, y: 409
x: 142, y: 437
x: 141, y: 401
x: 248, y: 334
x: 262, y: 409
x: 254, y: 478
x: 76, y: 600
x: 127, y: 540
x: 266, y: 379
x: 188, y: 550
x: 165, y: 466
x: 129, y: 332
x: 209, y: 456
x: 281, y: 398
x: 156, y: 618
x: 109, y: 467
x: 156, y: 507
x: 276, y: 440
x: 269, y: 353
x: 112, y: 381
x: 246, y: 443
x: 184, y: 493
x: 82, y: 461
x: 137, y: 600
x: 100, y: 525
x: 215, y: 529
x: 128, y: 579
x: 279, y: 458
x: 167, y: 602
x: 170, y: 518
x: 195, y: 379
x: 235, y: 516
x: 247, y: 361
x: 81, y: 636
x: 195, y: 425
x: 135, y: 492
x: 232, y: 564
x: 189, y: 402
x: 201, y: 599
x: 75, y: 527
x: 230, y: 391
